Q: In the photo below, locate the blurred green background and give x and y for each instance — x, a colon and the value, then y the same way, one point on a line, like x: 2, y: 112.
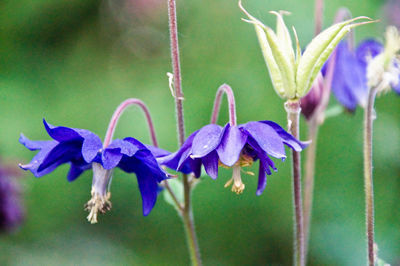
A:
x: 72, y: 62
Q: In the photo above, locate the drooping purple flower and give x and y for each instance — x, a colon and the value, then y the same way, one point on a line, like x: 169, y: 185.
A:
x: 83, y: 150
x: 349, y: 84
x: 234, y: 147
x: 11, y: 210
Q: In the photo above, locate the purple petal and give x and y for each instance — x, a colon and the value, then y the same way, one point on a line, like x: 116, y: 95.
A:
x: 210, y: 163
x: 110, y: 158
x: 34, y: 145
x: 265, y: 164
x: 143, y: 159
x: 91, y: 144
x: 266, y: 137
x: 157, y: 152
x: 368, y: 49
x: 61, y: 153
x: 38, y: 159
x: 61, y: 133
x: 262, y: 178
x: 232, y: 143
x: 287, y: 138
x: 179, y: 160
x: 206, y: 140
x: 75, y: 171
x: 195, y: 165
x: 349, y: 83
x: 148, y: 189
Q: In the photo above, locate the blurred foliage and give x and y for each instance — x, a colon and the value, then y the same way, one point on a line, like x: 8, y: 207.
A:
x: 73, y: 62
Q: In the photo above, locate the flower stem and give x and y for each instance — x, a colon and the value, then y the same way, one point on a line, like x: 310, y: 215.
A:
x: 293, y: 114
x: 187, y: 215
x: 117, y: 114
x: 319, y: 14
x: 316, y: 120
x: 368, y: 181
x: 224, y: 88
x: 309, y: 180
x: 114, y: 121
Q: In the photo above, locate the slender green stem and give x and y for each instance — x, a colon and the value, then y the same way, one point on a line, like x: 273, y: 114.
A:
x: 309, y: 180
x: 368, y: 181
x: 187, y: 215
x: 293, y: 115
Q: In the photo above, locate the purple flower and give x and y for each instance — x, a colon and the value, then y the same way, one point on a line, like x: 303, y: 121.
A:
x: 83, y: 150
x: 11, y: 210
x: 349, y: 84
x: 233, y: 147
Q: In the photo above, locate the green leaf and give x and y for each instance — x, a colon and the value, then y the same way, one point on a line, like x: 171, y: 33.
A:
x: 318, y: 51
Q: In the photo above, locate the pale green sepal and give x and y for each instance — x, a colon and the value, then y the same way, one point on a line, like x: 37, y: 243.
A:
x: 177, y: 188
x: 298, y: 49
x: 284, y: 63
x: 273, y: 68
x: 283, y: 35
x: 318, y: 51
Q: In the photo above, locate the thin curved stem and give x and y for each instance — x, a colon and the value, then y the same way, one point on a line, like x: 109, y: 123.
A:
x: 368, y: 179
x: 293, y: 114
x: 117, y: 114
x: 113, y: 124
x: 224, y: 88
x: 187, y: 215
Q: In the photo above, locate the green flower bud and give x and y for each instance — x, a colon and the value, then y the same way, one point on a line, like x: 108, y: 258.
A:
x: 293, y: 74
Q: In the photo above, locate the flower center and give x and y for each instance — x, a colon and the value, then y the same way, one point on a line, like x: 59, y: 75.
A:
x: 236, y: 180
x: 100, y: 201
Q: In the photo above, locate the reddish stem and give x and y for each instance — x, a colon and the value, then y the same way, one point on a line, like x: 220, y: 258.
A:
x: 224, y: 88
x: 117, y: 114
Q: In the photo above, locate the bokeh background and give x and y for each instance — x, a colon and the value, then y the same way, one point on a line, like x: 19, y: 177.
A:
x: 72, y: 62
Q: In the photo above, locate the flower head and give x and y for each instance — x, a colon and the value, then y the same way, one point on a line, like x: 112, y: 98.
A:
x: 233, y: 147
x: 11, y: 210
x: 293, y: 73
x: 83, y: 150
x: 349, y: 83
x: 350, y: 78
x: 383, y: 71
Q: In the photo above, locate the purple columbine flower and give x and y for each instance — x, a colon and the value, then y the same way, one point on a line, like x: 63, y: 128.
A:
x: 11, y: 210
x: 349, y: 84
x: 83, y: 150
x: 233, y: 147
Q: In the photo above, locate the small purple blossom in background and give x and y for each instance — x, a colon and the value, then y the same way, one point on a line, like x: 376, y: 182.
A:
x: 233, y: 147
x: 83, y: 150
x: 11, y: 209
x: 349, y: 84
x: 310, y: 102
x: 392, y: 11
